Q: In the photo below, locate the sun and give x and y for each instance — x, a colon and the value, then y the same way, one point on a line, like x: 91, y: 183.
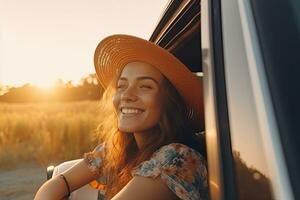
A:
x: 44, y: 84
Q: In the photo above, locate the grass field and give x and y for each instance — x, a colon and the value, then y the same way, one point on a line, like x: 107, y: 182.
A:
x: 46, y: 133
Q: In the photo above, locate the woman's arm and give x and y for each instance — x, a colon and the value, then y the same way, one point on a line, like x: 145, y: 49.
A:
x: 146, y: 189
x: 55, y: 188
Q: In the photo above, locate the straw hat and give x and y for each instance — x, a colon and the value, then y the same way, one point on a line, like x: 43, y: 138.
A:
x: 115, y: 51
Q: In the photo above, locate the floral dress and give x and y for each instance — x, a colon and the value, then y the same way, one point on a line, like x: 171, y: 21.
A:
x: 180, y: 167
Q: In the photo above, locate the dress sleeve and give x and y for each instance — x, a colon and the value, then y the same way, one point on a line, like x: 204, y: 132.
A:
x: 181, y: 168
x: 94, y: 159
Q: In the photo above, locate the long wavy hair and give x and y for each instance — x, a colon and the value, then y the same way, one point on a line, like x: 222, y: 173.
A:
x: 122, y: 153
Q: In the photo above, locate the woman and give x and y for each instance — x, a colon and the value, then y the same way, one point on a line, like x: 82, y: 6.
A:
x: 152, y: 105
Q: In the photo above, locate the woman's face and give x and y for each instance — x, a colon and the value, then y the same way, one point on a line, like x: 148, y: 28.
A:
x: 137, y: 99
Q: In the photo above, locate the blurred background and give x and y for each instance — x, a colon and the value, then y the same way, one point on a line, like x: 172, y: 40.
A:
x: 49, y: 93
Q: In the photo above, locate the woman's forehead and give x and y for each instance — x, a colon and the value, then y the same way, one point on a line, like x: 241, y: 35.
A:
x: 140, y: 69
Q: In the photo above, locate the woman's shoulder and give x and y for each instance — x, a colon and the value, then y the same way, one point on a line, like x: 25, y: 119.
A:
x: 177, y: 150
x: 181, y: 167
x: 174, y: 156
x: 95, y: 158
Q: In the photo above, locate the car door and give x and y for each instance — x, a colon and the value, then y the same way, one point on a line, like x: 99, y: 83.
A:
x: 248, y: 67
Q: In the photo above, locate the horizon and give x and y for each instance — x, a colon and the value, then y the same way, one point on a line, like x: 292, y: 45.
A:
x: 59, y: 83
x: 55, y: 82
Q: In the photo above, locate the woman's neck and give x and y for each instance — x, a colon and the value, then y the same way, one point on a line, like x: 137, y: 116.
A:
x: 141, y: 139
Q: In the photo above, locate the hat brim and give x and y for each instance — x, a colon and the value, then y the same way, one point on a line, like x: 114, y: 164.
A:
x: 115, y: 51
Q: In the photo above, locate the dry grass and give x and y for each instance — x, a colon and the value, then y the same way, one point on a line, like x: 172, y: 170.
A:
x: 46, y: 133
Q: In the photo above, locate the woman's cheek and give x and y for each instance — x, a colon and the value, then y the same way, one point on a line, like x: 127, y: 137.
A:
x: 116, y: 101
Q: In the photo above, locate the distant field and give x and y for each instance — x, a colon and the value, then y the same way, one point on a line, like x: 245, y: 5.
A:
x: 46, y: 133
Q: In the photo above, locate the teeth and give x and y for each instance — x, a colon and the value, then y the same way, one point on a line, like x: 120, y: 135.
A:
x: 130, y: 111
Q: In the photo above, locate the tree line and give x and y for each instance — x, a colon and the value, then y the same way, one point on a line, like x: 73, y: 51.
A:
x: 87, y: 89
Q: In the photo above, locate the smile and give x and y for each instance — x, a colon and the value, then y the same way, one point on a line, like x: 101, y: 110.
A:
x: 131, y: 110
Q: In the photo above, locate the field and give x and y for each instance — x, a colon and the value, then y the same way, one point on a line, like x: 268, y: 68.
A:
x: 34, y: 136
x: 46, y: 133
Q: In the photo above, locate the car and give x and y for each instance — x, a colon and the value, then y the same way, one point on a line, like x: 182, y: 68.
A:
x: 247, y: 54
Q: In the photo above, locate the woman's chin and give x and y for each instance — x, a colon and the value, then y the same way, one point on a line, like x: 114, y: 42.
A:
x: 127, y: 129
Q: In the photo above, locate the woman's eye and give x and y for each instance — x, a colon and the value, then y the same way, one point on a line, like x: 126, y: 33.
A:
x: 146, y: 86
x: 120, y: 86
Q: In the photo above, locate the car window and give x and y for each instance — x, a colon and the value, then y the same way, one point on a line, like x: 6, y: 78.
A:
x: 280, y: 52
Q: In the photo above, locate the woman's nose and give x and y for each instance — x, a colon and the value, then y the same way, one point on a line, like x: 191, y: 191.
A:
x: 129, y: 95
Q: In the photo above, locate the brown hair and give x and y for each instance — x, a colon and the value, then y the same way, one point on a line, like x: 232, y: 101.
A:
x: 122, y: 153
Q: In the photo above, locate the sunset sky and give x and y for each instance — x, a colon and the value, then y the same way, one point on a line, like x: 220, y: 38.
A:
x: 45, y: 40
x: 42, y: 41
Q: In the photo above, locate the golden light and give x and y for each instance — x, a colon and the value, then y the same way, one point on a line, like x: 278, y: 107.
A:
x: 38, y: 55
x: 44, y: 84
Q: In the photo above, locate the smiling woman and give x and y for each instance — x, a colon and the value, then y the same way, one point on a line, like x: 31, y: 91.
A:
x: 147, y: 144
x: 138, y: 98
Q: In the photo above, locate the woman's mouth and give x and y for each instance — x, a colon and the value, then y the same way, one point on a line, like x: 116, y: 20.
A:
x: 131, y: 111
